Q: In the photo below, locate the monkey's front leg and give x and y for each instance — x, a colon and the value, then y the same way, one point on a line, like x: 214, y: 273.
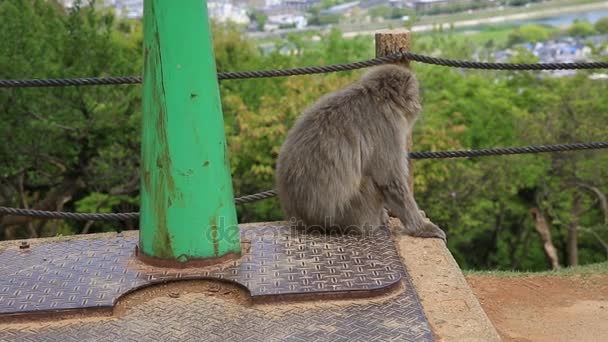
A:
x: 400, y: 201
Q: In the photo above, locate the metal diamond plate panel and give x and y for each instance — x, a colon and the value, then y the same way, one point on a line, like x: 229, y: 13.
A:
x: 196, y: 317
x: 95, y: 272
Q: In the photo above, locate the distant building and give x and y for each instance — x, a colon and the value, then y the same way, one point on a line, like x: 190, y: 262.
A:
x: 342, y: 8
x: 220, y: 10
x: 564, y: 50
x: 289, y: 7
x: 270, y: 3
x: 365, y: 4
x: 598, y: 76
x: 425, y: 5
x: 280, y: 21
x: 127, y: 8
x: 123, y: 8
x: 288, y: 49
x: 400, y: 3
x: 227, y: 12
x: 300, y: 4
x: 561, y: 52
x: 257, y: 4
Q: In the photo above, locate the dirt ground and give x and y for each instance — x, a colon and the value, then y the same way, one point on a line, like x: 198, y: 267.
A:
x: 545, y: 308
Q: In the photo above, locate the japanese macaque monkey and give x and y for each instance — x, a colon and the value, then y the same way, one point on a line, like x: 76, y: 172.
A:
x: 344, y: 163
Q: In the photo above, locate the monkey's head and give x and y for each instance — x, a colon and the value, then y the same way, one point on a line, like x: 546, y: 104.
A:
x: 396, y: 86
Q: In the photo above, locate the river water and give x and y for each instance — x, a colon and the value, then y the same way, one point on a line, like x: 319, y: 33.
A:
x: 565, y: 19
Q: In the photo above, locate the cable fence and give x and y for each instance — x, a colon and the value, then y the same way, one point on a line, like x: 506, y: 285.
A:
x: 453, y: 63
x: 271, y: 193
x: 60, y: 82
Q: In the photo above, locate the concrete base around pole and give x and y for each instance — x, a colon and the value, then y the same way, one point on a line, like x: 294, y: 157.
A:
x: 452, y: 309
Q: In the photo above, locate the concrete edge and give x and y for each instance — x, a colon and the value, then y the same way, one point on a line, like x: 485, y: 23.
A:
x: 452, y: 309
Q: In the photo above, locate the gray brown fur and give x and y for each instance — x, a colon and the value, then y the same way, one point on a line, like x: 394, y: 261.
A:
x: 345, y: 159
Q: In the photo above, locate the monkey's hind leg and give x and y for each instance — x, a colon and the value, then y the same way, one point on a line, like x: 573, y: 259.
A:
x: 400, y: 200
x: 364, y: 212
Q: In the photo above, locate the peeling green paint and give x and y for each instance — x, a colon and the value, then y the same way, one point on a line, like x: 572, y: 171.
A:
x: 214, y: 237
x: 183, y: 211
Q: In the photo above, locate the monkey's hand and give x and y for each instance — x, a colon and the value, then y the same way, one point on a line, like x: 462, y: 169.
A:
x: 430, y: 230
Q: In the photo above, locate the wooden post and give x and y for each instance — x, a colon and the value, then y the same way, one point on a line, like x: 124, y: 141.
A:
x: 188, y: 215
x: 392, y: 41
x: 389, y: 42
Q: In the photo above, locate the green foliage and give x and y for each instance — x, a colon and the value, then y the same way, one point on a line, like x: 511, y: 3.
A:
x: 529, y: 34
x: 520, y: 2
x: 581, y: 28
x: 259, y: 17
x: 601, y: 26
x: 97, y: 202
x: 80, y: 138
x: 318, y: 19
x: 575, y: 271
x: 380, y: 12
x: 325, y: 4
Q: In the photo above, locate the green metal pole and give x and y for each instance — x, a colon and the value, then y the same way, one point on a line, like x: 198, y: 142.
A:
x: 187, y: 202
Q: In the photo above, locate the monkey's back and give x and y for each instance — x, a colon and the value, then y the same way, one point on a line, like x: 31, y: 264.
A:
x: 326, y: 153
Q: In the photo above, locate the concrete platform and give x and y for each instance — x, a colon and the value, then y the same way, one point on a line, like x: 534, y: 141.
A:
x: 304, y: 288
x: 448, y: 302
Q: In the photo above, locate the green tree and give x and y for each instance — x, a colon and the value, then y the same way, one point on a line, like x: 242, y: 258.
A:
x: 601, y: 26
x: 581, y: 28
x: 259, y: 17
x: 61, y: 144
x: 528, y: 34
x: 380, y: 12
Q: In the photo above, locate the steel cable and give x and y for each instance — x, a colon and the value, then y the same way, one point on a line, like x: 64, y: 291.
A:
x: 271, y: 193
x: 59, y: 82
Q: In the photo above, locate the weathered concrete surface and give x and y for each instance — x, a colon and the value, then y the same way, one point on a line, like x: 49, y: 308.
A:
x: 448, y: 302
